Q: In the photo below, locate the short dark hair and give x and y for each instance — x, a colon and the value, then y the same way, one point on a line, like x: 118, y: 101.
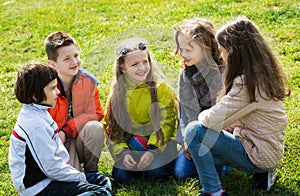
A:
x: 56, y: 40
x: 31, y: 80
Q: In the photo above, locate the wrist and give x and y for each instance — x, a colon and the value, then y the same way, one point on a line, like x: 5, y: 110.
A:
x: 153, y: 149
x: 125, y: 152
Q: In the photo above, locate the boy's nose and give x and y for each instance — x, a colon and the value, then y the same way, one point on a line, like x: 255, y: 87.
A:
x: 75, y: 60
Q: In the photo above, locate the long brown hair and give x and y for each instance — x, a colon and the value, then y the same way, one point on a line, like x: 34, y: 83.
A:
x: 203, y: 33
x: 250, y: 55
x: 118, y: 123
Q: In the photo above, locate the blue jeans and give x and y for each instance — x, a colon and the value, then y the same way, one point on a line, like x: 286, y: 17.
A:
x: 121, y: 175
x: 98, y: 185
x: 209, y: 148
x: 185, y: 168
x: 161, y: 166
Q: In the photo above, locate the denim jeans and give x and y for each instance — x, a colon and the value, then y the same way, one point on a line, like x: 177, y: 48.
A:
x: 121, y: 175
x: 98, y: 185
x: 161, y: 166
x: 185, y: 168
x: 209, y: 148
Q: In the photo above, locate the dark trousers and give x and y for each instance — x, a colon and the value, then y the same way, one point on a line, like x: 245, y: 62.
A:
x: 161, y: 166
x: 98, y: 185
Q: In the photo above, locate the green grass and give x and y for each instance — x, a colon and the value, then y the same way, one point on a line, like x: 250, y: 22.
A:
x: 99, y: 25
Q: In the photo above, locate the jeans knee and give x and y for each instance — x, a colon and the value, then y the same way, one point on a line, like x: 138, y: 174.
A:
x: 195, y: 131
x: 179, y: 173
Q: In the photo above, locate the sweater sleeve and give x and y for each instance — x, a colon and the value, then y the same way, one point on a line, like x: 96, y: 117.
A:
x: 189, y: 106
x: 92, y: 110
x: 116, y: 149
x: 188, y: 99
x: 232, y: 107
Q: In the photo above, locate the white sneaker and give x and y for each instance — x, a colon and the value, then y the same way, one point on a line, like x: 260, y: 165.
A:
x: 265, y: 180
x: 271, y: 178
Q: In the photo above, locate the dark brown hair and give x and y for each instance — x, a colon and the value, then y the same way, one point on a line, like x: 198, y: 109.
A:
x: 31, y: 80
x: 250, y: 55
x: 56, y: 40
x: 202, y: 31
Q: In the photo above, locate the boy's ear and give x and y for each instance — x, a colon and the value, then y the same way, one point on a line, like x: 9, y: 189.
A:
x: 34, y: 98
x: 51, y: 62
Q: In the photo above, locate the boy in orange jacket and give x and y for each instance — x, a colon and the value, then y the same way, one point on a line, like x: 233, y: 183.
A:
x: 78, y: 108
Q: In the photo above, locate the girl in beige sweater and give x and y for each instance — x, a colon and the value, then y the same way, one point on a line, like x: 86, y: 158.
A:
x: 250, y: 105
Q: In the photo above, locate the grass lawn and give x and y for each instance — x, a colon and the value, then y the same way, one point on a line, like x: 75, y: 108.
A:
x: 99, y: 25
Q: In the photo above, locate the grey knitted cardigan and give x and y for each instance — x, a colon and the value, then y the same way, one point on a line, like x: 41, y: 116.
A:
x: 198, y: 89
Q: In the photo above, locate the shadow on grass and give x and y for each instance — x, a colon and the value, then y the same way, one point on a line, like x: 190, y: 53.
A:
x: 237, y: 183
x: 241, y: 183
x: 157, y: 187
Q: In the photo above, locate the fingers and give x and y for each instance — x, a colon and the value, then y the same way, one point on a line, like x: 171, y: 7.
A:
x: 186, y: 151
x: 129, y: 162
x: 145, y: 160
x: 187, y: 155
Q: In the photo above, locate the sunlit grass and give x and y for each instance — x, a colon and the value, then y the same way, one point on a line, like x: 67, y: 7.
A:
x: 98, y: 26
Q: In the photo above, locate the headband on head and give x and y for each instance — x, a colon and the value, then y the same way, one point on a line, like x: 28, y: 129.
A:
x: 125, y: 51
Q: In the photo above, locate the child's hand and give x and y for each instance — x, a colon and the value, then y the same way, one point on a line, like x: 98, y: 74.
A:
x: 62, y: 136
x: 146, y: 160
x: 231, y: 128
x: 186, y: 152
x: 128, y: 161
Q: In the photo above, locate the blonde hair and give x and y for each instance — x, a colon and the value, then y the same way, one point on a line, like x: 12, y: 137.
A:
x: 202, y: 32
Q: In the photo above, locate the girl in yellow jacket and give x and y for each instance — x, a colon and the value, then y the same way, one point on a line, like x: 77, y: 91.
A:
x: 141, y: 116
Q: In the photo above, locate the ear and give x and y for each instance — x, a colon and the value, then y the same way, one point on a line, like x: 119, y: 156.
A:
x: 51, y: 62
x: 34, y: 98
x: 122, y: 68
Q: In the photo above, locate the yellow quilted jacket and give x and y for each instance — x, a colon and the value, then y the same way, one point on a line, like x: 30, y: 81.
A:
x: 138, y: 103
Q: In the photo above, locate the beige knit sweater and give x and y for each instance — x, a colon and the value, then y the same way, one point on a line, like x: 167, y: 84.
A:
x: 263, y: 124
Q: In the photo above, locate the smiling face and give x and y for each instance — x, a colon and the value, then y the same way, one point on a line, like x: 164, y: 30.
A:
x: 136, y: 66
x: 51, y: 91
x: 67, y: 62
x: 191, y: 52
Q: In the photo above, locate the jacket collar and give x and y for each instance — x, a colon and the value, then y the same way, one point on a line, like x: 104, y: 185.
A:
x: 36, y: 106
x: 60, y: 85
x: 131, y: 85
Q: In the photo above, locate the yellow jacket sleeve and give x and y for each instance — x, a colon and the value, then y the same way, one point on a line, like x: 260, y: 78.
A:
x: 168, y: 111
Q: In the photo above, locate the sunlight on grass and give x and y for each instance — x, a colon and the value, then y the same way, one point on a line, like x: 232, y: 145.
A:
x: 98, y: 26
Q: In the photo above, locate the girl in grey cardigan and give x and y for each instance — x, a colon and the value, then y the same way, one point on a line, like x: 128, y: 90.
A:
x: 200, y: 80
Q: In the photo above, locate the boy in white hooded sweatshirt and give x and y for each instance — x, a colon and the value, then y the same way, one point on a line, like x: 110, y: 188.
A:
x: 37, y: 157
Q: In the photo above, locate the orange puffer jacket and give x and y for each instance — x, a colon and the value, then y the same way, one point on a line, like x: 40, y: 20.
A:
x: 86, y: 106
